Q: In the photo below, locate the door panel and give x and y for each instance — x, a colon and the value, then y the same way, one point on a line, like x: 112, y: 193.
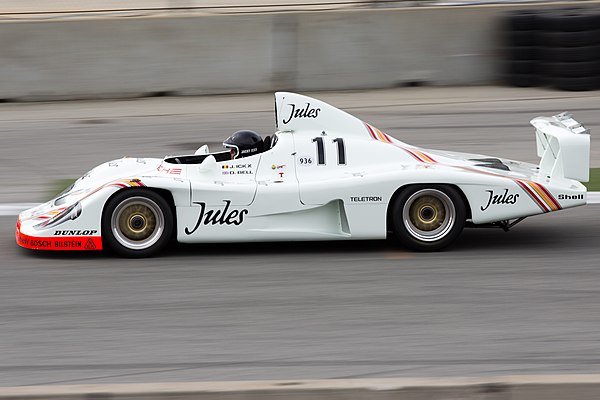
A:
x: 234, y: 181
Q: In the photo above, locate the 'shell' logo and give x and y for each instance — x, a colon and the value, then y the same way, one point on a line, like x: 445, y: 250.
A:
x: 305, y: 112
x: 217, y: 217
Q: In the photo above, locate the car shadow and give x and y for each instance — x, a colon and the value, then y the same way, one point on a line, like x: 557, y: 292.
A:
x: 471, y: 240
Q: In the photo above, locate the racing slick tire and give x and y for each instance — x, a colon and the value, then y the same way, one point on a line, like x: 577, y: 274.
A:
x: 570, y: 19
x: 577, y: 83
x: 522, y: 53
x: 573, y: 69
x: 521, y: 38
x: 522, y: 80
x: 137, y: 223
x: 571, y: 54
x: 522, y: 20
x: 428, y: 217
x: 571, y: 39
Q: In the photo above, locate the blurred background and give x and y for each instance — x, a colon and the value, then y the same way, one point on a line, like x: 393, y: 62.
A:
x: 84, y: 82
x: 113, y: 49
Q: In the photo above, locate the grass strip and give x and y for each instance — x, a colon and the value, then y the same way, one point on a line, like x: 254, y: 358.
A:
x: 594, y: 184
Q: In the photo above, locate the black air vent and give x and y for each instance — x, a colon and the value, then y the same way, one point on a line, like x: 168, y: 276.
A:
x: 490, y: 163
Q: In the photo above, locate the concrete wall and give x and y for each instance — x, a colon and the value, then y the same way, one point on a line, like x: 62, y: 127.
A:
x: 441, y: 46
x: 116, y: 57
x: 202, y: 54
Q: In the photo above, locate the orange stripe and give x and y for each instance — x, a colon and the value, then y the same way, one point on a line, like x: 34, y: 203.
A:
x: 426, y: 157
x: 532, y: 195
x: 552, y: 199
x: 413, y: 154
x: 529, y: 187
x: 383, y: 136
x: 542, y: 195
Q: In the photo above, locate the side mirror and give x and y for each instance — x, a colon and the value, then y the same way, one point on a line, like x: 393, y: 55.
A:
x: 202, y: 150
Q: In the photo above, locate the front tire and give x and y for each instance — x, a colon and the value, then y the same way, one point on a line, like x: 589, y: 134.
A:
x: 428, y: 218
x: 137, y: 223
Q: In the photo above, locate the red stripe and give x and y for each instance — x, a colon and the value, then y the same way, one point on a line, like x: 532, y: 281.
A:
x: 549, y: 196
x: 413, y: 154
x: 429, y: 157
x: 371, y: 131
x: 533, y: 196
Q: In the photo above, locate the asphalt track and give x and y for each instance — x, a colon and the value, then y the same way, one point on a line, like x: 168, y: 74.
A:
x: 495, y: 303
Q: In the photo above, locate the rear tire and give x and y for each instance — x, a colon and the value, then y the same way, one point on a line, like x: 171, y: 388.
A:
x: 428, y: 217
x: 137, y: 223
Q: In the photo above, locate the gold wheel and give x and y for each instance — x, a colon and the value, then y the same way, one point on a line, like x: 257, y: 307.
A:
x: 137, y: 222
x: 429, y: 215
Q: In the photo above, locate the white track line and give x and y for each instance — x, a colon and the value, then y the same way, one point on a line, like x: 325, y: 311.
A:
x: 15, y: 208
x: 9, y: 209
x: 593, y: 197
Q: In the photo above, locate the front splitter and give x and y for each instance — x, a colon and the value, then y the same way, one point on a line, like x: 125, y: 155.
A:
x: 57, y: 242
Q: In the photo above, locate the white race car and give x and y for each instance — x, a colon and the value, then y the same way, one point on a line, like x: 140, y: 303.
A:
x: 324, y: 175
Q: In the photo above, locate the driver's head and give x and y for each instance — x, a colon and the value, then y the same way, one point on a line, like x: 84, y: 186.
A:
x: 244, y: 144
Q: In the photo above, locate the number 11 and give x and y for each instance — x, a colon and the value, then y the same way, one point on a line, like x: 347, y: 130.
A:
x: 341, y: 150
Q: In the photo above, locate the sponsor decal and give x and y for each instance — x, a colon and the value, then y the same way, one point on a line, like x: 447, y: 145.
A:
x: 140, y: 160
x: 247, y: 151
x: 169, y: 171
x: 306, y: 161
x: 538, y: 193
x: 277, y: 166
x: 78, y: 232
x: 570, y: 196
x: 365, y: 199
x: 237, y: 169
x: 90, y: 244
x: 306, y: 112
x: 502, y: 198
x: 58, y: 242
x: 224, y: 216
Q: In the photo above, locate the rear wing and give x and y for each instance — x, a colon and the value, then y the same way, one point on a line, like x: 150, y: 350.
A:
x: 564, y: 147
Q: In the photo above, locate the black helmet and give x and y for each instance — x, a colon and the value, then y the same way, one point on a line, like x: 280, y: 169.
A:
x: 245, y: 143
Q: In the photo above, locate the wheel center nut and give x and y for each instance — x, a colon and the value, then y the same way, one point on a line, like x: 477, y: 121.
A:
x: 137, y: 222
x: 427, y: 213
